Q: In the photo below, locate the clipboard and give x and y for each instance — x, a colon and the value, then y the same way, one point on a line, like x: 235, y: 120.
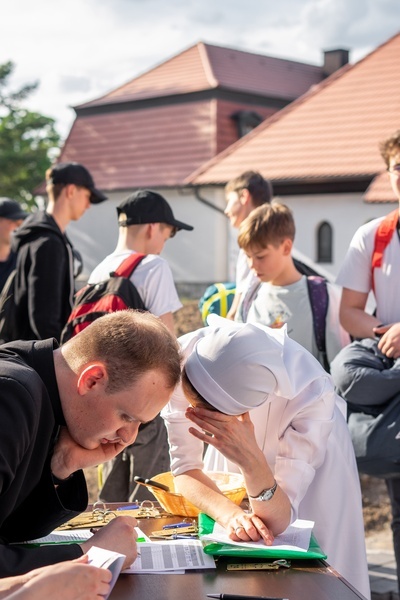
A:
x: 101, y: 515
x: 206, y: 526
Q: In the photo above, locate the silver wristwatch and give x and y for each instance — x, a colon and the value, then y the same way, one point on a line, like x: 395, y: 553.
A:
x: 267, y: 494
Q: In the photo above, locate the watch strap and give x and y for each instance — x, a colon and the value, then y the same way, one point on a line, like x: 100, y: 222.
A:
x: 266, y: 494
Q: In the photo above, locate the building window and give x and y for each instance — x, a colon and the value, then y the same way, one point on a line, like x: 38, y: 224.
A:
x: 324, y: 243
x: 246, y: 121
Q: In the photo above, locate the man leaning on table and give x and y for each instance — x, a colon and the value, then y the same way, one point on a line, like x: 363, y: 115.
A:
x: 63, y: 409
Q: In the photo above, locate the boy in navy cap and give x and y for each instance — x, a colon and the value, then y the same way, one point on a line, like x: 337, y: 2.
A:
x: 44, y: 283
x: 11, y: 217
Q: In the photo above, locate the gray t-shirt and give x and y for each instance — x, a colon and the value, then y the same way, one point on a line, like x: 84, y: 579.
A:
x: 274, y: 306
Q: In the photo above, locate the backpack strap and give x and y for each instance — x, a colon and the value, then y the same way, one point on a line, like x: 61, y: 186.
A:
x: 319, y: 301
x: 383, y: 235
x: 128, y: 265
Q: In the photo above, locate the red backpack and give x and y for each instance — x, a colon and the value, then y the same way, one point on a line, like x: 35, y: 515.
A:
x: 383, y: 235
x: 97, y: 299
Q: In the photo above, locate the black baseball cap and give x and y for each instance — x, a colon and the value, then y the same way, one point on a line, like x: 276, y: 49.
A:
x: 79, y: 175
x: 146, y: 206
x: 11, y: 209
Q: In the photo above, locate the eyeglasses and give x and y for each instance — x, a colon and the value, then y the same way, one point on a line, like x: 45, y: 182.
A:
x: 394, y: 169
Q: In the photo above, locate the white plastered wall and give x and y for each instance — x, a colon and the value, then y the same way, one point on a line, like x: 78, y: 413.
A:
x: 208, y: 253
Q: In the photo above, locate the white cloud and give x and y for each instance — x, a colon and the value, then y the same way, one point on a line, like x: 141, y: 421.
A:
x: 85, y: 48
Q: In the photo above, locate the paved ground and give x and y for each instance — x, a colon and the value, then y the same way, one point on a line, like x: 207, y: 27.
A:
x: 382, y: 566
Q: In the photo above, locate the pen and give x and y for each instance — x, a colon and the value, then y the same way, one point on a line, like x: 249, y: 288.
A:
x: 129, y: 507
x: 150, y: 483
x: 237, y: 597
x: 176, y: 525
x: 161, y: 486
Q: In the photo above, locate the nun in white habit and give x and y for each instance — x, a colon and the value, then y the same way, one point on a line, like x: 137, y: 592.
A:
x: 271, y: 413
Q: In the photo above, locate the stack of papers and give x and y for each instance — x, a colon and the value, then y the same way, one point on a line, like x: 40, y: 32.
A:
x: 176, y: 555
x: 106, y: 559
x: 154, y: 557
x: 295, y: 538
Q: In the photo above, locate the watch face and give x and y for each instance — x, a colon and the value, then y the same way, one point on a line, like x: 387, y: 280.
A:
x: 267, y: 495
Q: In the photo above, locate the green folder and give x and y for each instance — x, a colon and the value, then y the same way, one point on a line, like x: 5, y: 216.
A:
x: 206, y: 526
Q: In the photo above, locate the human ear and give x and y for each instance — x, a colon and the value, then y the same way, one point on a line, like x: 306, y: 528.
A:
x: 150, y: 230
x: 70, y: 190
x: 244, y: 197
x: 92, y: 376
x: 287, y: 247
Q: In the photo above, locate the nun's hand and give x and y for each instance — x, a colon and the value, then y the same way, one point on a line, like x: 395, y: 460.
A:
x: 227, y: 434
x: 247, y: 527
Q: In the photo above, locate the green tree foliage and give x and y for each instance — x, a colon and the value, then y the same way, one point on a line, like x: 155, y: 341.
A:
x: 28, y: 142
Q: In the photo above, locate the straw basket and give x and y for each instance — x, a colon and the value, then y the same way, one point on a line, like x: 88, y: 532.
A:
x: 230, y: 484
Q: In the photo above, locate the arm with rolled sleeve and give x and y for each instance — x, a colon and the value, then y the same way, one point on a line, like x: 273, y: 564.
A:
x: 302, y: 446
x: 355, y: 278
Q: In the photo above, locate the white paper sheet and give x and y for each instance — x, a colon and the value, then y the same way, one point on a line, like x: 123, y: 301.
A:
x: 74, y: 536
x: 176, y: 555
x: 295, y: 537
x: 113, y: 561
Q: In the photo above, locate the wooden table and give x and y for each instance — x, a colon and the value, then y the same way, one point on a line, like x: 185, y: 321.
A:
x: 305, y: 580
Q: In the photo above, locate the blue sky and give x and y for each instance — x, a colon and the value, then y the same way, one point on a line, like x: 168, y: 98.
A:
x: 82, y: 49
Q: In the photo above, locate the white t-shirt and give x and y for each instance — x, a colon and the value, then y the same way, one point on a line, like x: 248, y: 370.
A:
x: 243, y: 272
x: 305, y: 439
x: 275, y: 306
x: 356, y: 271
x: 152, y: 279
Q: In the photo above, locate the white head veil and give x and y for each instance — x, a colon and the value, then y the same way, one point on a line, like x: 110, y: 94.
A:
x: 237, y: 365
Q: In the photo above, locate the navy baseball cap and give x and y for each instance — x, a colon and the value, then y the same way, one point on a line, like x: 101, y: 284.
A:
x: 77, y: 174
x: 11, y: 209
x: 146, y: 206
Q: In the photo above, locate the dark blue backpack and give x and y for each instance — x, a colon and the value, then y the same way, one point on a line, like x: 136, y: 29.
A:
x: 319, y: 301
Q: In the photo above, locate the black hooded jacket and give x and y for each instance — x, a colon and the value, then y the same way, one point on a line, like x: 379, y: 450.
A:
x: 44, y: 283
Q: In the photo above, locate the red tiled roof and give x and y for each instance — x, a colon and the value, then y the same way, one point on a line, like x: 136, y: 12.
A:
x: 127, y: 141
x: 204, y: 66
x: 151, y: 147
x: 380, y: 190
x: 331, y: 132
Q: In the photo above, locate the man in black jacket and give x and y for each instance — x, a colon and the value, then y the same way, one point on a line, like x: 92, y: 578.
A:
x: 11, y: 217
x: 69, y: 408
x: 46, y: 262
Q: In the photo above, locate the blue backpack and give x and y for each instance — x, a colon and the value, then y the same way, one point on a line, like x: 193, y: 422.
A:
x: 217, y: 299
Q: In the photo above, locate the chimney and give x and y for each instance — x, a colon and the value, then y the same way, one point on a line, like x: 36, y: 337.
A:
x: 334, y: 60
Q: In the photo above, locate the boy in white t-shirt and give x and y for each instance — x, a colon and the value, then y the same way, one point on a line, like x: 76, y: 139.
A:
x: 243, y: 194
x: 357, y: 279
x: 146, y: 222
x: 280, y: 294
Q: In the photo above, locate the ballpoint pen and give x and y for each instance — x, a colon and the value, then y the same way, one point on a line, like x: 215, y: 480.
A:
x: 150, y: 483
x: 156, y: 484
x: 177, y: 525
x: 238, y: 597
